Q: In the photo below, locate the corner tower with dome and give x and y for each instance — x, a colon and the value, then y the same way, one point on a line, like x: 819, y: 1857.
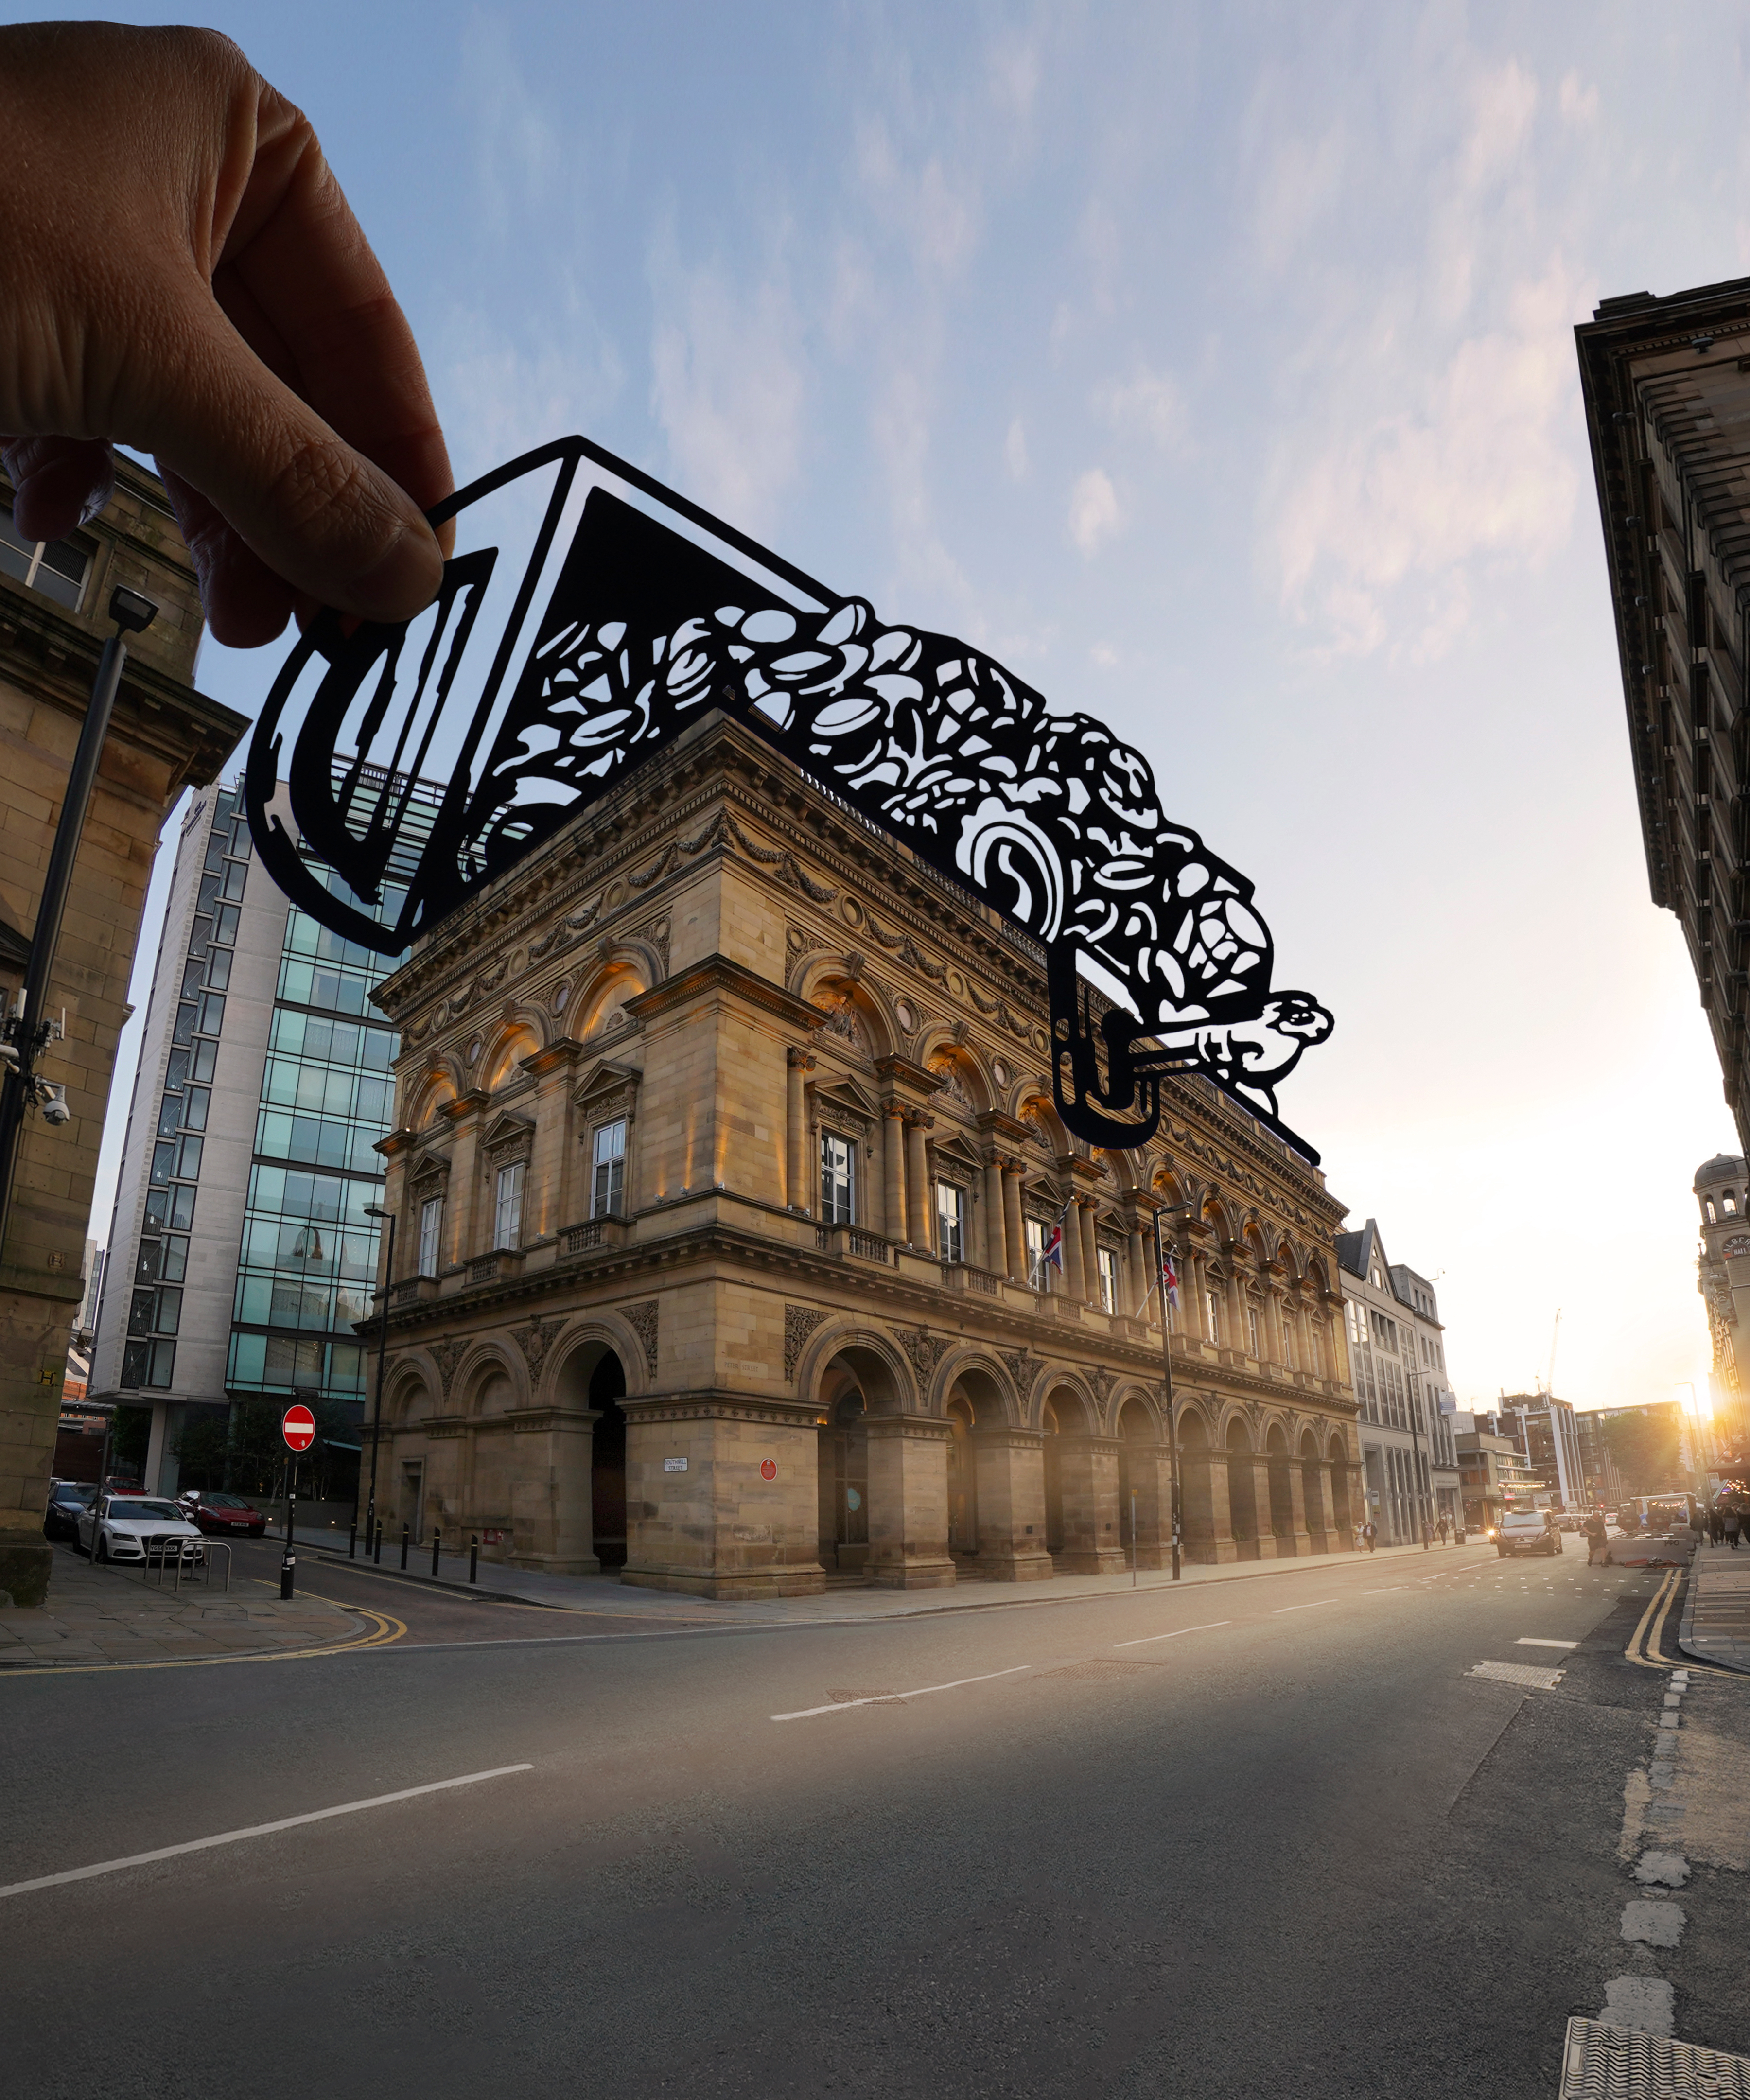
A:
x: 1722, y: 1196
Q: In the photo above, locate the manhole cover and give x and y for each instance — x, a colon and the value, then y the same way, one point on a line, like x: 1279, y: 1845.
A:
x: 1603, y: 2062
x: 1518, y: 1673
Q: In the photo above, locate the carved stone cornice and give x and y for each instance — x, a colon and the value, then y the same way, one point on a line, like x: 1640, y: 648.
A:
x: 900, y: 1071
x: 720, y: 1407
x: 465, y: 1106
x: 722, y: 973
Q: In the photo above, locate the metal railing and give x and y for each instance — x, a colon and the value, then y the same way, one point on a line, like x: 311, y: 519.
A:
x: 158, y: 1553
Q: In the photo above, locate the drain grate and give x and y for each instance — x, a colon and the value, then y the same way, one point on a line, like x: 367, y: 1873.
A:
x: 1603, y: 2062
x: 1518, y: 1673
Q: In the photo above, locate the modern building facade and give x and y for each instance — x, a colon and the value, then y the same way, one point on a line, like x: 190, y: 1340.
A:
x: 1604, y: 1482
x: 1494, y: 1470
x: 724, y: 1160
x: 1666, y: 384
x: 242, y: 1250
x: 1548, y: 1439
x: 1397, y: 1358
x: 1722, y: 1276
x: 163, y: 736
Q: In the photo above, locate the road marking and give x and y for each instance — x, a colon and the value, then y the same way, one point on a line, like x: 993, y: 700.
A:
x: 881, y: 1698
x: 1175, y: 1633
x: 1531, y: 1640
x: 1312, y: 1607
x: 387, y: 1629
x: 255, y: 1830
x: 1387, y: 1590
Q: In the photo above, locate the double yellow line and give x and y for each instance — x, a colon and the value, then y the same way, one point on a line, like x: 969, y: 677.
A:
x: 384, y: 1629
x: 1644, y: 1643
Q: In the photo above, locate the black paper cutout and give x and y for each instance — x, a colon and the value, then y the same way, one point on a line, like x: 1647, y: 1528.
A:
x: 1046, y: 818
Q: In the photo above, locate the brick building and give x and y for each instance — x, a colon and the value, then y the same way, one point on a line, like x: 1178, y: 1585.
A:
x: 165, y: 736
x: 724, y: 1164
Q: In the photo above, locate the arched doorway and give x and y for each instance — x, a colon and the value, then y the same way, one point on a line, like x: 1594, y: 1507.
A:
x: 607, y: 1463
x: 962, y: 1480
x: 1281, y: 1493
x: 844, y: 1483
x: 1143, y: 1524
x: 1242, y: 1493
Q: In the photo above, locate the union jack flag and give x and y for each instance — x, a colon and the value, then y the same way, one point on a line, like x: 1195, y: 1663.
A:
x: 1169, y: 1279
x: 1051, y: 1254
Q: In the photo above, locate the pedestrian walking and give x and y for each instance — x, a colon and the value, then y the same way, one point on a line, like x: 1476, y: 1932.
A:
x: 1446, y: 1525
x: 1716, y: 1525
x: 1370, y: 1532
x: 1734, y: 1525
x: 1597, y: 1540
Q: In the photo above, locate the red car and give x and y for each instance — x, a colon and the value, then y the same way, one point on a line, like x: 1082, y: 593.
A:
x: 223, y: 1515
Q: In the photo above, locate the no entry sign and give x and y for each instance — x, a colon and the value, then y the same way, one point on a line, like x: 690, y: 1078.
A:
x: 298, y: 1428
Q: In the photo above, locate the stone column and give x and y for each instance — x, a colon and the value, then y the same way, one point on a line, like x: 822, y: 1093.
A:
x: 1089, y: 1252
x: 1141, y: 1306
x: 1299, y: 1541
x: 1075, y: 1284
x: 1270, y: 1548
x: 1239, y: 1333
x: 1012, y: 1218
x: 918, y: 1179
x: 1321, y: 1511
x: 893, y: 1171
x: 1088, y: 1471
x: 1271, y: 1323
x: 1151, y: 1481
x: 1011, y: 1465
x: 462, y: 1193
x: 996, y: 1220
x: 1191, y: 1293
x: 799, y: 1063
x: 1221, y: 1540
x: 908, y: 1502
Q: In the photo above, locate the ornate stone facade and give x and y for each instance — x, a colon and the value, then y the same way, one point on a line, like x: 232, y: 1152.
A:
x: 723, y: 1122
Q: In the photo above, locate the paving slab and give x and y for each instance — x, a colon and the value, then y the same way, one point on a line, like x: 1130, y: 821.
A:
x: 1716, y: 1623
x: 847, y: 1603
x: 97, y: 1616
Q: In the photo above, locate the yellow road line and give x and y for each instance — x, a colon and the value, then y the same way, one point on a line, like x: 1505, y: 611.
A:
x: 385, y: 1631
x: 1655, y: 1657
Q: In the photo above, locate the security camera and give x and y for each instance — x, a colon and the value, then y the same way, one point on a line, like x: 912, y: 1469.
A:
x: 55, y: 1108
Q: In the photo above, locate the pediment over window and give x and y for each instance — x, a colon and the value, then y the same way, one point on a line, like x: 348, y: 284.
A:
x: 508, y: 1138
x: 842, y: 1100
x: 608, y: 1090
x: 430, y: 1177
x: 955, y: 1157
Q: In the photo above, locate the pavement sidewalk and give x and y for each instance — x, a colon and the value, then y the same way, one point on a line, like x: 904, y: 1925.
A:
x: 606, y: 1593
x: 1715, y: 1625
x: 96, y: 1616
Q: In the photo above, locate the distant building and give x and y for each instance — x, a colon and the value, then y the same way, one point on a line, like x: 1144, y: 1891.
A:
x: 1722, y: 1276
x: 1398, y: 1364
x: 1603, y: 1477
x: 1550, y: 1443
x: 242, y: 1252
x: 1496, y: 1473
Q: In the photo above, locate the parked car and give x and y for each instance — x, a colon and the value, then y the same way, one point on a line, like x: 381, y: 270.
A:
x: 60, y: 1519
x: 1526, y: 1531
x: 223, y: 1516
x: 133, y: 1528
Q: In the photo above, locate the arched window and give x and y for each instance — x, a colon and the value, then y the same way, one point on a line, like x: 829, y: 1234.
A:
x: 1731, y: 1204
x: 1707, y: 1204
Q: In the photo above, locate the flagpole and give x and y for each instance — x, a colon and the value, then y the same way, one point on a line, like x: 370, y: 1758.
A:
x: 1166, y: 1366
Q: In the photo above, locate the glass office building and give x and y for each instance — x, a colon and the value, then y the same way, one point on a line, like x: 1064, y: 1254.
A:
x: 265, y: 1082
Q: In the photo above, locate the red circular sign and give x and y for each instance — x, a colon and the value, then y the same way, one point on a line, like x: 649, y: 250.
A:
x: 768, y: 1469
x: 298, y: 1428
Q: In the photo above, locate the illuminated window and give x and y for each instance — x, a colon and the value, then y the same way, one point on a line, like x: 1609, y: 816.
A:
x: 950, y: 1228
x: 608, y: 1199
x: 838, y: 1178
x: 507, y: 1212
x: 1108, y: 1279
x: 430, y: 1230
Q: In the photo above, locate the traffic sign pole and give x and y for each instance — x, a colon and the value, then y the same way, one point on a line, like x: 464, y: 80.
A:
x: 297, y: 1427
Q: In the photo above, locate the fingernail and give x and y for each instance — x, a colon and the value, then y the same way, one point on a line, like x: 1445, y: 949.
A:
x: 402, y: 583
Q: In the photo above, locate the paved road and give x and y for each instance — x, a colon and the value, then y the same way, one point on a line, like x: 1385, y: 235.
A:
x: 1262, y: 1834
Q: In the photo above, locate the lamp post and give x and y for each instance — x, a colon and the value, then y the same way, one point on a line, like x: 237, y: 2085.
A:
x: 377, y: 1211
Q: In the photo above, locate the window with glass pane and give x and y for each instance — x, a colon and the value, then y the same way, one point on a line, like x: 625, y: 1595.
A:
x: 55, y: 567
x: 507, y: 1215
x: 430, y: 1228
x: 1213, y: 1299
x: 1041, y: 1275
x: 838, y: 1178
x: 1108, y: 1279
x: 608, y: 1198
x: 950, y: 1234
x: 1251, y: 1330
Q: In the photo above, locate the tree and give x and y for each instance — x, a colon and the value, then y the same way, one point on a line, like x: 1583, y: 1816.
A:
x: 1645, y: 1447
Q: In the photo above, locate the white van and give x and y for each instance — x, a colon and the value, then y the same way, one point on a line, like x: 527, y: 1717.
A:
x: 1526, y: 1531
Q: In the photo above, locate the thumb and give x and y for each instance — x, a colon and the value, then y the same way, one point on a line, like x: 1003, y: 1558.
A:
x: 319, y: 514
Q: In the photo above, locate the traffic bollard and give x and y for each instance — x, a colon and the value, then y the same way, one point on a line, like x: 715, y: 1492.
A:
x: 474, y: 1558
x: 352, y: 1542
x: 436, y: 1535
x: 406, y: 1540
x: 288, y: 1572
x: 378, y: 1555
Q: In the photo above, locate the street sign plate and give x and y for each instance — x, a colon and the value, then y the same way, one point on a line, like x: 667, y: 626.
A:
x: 298, y: 1428
x: 768, y: 1469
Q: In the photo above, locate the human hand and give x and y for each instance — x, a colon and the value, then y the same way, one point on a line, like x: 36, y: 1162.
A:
x: 183, y: 275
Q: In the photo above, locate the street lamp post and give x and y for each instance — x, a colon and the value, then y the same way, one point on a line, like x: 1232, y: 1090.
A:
x: 377, y: 1211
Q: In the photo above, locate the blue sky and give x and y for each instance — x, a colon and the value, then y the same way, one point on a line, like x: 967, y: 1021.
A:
x: 1213, y: 366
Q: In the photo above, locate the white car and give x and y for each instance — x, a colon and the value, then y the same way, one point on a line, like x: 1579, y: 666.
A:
x: 136, y: 1528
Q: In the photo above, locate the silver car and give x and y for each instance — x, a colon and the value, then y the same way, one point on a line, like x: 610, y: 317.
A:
x: 133, y: 1528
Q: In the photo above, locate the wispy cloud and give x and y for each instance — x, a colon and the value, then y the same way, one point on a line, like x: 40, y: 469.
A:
x: 1146, y: 404
x: 1094, y: 513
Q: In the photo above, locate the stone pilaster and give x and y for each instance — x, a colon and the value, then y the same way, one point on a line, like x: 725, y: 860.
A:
x: 1010, y: 1465
x: 908, y: 1502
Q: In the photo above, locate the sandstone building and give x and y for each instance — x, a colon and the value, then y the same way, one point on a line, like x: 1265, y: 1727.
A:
x: 163, y: 736
x: 723, y: 1164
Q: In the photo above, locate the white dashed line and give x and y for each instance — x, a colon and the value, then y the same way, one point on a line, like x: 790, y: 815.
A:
x: 881, y: 1698
x: 1175, y: 1633
x: 1531, y: 1640
x: 1312, y: 1607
